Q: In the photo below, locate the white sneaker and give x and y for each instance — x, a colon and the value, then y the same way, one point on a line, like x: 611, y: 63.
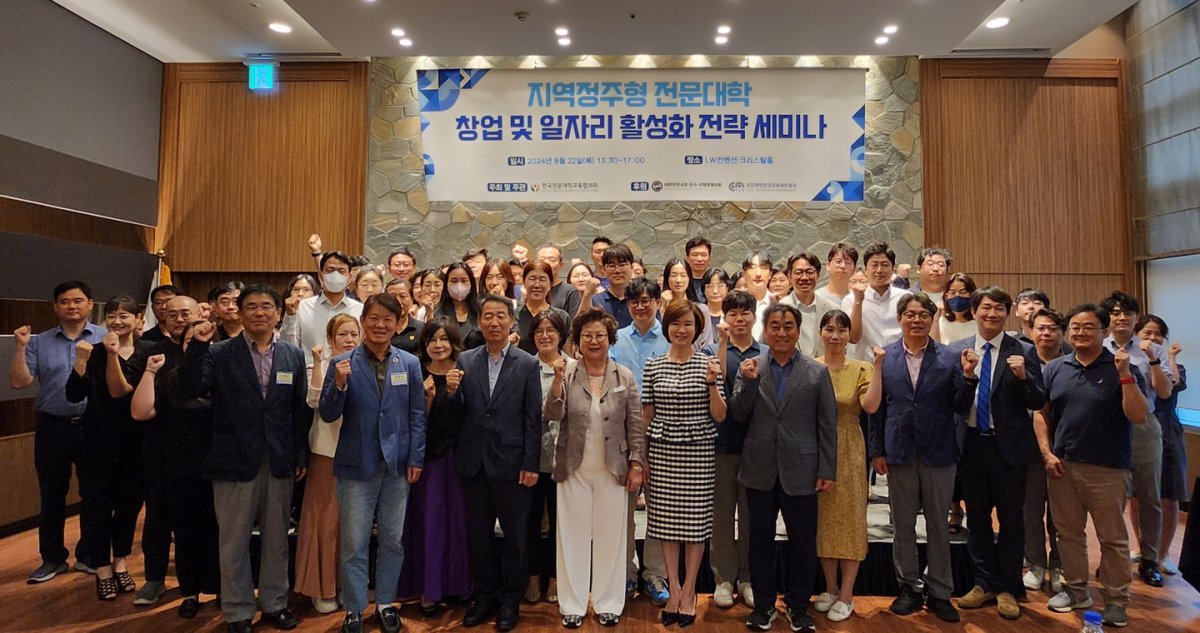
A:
x: 746, y: 592
x: 723, y: 595
x: 1034, y: 578
x: 1056, y: 580
x: 325, y: 605
x: 1063, y: 602
x: 824, y: 602
x: 840, y: 611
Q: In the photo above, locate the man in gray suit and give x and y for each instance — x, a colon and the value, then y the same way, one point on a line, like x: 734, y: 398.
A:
x: 790, y: 454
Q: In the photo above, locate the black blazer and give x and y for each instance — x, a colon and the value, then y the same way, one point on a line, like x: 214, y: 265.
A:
x: 501, y: 433
x: 1013, y: 401
x: 246, y: 427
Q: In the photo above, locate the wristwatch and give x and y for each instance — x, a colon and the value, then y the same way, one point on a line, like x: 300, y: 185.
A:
x: 636, y: 466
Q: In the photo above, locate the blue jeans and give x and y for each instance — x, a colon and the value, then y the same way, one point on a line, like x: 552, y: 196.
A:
x: 359, y: 502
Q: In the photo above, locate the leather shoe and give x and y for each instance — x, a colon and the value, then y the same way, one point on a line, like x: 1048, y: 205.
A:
x: 241, y: 626
x: 1148, y: 570
x: 389, y: 620
x: 942, y: 609
x: 508, y: 617
x: 189, y: 607
x: 282, y: 619
x: 480, y: 611
x: 907, y: 602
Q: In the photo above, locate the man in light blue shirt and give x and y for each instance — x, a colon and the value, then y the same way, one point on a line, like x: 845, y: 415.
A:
x: 643, y: 339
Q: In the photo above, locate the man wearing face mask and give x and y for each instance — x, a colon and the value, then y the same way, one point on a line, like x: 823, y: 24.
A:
x: 305, y: 320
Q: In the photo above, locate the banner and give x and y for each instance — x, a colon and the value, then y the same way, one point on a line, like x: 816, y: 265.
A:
x: 620, y: 134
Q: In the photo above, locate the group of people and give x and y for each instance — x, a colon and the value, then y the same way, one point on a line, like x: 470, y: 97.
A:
x: 424, y: 407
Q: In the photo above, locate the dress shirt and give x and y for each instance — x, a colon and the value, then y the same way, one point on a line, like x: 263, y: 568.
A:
x: 879, y: 324
x: 306, y: 328
x: 495, y: 364
x: 50, y: 356
x: 263, y: 362
x: 825, y: 293
x: 996, y: 364
x: 761, y: 306
x: 913, y: 358
x: 780, y: 374
x: 634, y: 348
x: 810, y: 318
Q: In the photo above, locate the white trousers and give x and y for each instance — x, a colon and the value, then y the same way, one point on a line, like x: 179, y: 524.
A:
x: 591, y: 540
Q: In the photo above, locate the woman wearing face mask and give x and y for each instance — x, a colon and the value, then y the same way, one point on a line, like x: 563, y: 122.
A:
x: 957, y: 322
x: 111, y: 478
x: 435, y: 527
x: 460, y: 304
x: 318, y: 542
x: 678, y: 278
x: 539, y: 277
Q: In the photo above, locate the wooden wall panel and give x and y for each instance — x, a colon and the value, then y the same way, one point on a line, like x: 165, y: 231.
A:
x: 246, y: 177
x: 1026, y: 173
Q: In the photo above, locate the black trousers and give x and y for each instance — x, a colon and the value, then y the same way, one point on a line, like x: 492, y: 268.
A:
x: 112, y: 489
x: 189, y: 510
x: 989, y: 483
x: 57, y: 446
x: 800, y: 517
x: 543, y: 552
x: 156, y: 527
x: 487, y: 501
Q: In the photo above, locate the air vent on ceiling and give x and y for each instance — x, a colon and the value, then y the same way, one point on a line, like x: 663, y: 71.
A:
x: 297, y: 57
x: 1000, y: 52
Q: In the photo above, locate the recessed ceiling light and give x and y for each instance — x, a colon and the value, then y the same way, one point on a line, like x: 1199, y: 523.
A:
x: 720, y: 39
x: 404, y: 41
x: 724, y: 29
x: 397, y: 32
x: 881, y: 40
x: 997, y: 23
x: 890, y: 29
x: 562, y: 31
x: 564, y: 41
x: 280, y: 27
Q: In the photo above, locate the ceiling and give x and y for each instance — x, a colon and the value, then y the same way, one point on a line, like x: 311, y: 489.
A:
x: 227, y: 30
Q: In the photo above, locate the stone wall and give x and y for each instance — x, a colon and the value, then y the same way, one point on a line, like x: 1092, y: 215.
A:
x: 398, y: 211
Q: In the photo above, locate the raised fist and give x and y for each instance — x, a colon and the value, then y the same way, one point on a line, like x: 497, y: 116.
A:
x: 112, y: 343
x: 453, y: 380
x: 318, y: 352
x: 83, y: 351
x: 341, y: 373
x: 859, y: 288
x: 430, y: 387
x: 1174, y: 350
x: 314, y: 243
x: 22, y: 335
x: 879, y: 353
x: 902, y: 270
x: 1016, y: 364
x: 155, y: 363
x: 714, y: 370
x: 722, y: 333
x: 560, y: 367
x: 291, y: 305
x: 204, y: 332
x: 969, y: 361
x: 749, y: 368
x: 1121, y: 359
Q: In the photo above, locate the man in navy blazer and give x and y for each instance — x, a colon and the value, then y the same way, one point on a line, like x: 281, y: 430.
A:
x: 259, y: 448
x: 914, y: 441
x: 378, y: 392
x: 498, y: 455
x: 1003, y: 387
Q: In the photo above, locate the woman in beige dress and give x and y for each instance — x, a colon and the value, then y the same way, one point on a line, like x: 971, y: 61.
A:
x: 842, y: 514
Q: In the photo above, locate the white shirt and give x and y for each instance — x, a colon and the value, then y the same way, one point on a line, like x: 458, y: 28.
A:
x: 995, y: 354
x: 951, y: 331
x: 879, y: 323
x: 825, y: 293
x: 306, y: 328
x: 810, y: 318
x: 322, y: 436
x: 756, y: 330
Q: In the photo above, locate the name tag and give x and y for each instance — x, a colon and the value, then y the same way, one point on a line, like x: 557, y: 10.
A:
x: 399, y: 379
x: 619, y: 389
x: 283, y: 377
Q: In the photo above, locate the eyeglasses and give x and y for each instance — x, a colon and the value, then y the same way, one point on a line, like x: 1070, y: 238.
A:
x: 641, y: 303
x: 917, y: 316
x: 1046, y: 329
x: 594, y: 338
x: 806, y: 272
x: 265, y: 308
x: 1079, y: 329
x: 617, y: 266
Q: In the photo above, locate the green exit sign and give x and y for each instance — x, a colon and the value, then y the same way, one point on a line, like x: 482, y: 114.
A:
x: 261, y: 76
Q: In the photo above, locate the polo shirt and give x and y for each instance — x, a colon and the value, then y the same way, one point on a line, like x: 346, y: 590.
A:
x: 50, y: 357
x: 1089, y: 423
x: 614, y: 306
x: 730, y: 434
x: 406, y: 339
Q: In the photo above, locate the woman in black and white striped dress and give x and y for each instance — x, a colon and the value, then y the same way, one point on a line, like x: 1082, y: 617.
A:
x: 681, y: 397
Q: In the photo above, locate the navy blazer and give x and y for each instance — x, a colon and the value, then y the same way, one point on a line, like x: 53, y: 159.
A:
x: 391, y: 424
x: 1013, y: 401
x: 919, y: 421
x: 246, y: 427
x: 501, y: 433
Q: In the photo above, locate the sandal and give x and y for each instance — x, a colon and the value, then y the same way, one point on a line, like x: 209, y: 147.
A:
x: 125, y: 582
x: 106, y: 588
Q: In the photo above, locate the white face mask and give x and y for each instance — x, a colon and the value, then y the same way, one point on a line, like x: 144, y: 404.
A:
x: 334, y: 282
x: 459, y: 292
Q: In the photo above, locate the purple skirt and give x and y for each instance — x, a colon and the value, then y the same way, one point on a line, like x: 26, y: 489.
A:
x: 435, y: 535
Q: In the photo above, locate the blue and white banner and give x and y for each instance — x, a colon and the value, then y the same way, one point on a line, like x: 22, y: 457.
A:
x: 620, y: 134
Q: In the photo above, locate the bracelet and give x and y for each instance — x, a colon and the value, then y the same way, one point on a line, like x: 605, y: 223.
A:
x: 1128, y: 381
x: 711, y: 384
x: 1157, y: 361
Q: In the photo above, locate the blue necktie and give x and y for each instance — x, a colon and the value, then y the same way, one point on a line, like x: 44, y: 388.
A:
x: 983, y: 395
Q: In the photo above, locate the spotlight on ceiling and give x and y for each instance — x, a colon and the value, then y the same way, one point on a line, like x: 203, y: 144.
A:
x: 562, y: 31
x: 881, y: 40
x: 280, y: 27
x: 721, y: 39
x: 397, y: 32
x: 404, y: 41
x: 724, y: 29
x: 891, y: 29
x: 564, y: 41
x: 997, y: 23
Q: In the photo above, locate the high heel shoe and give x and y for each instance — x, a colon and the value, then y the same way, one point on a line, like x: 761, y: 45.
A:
x: 106, y: 588
x: 125, y: 582
x: 669, y: 617
x: 686, y: 620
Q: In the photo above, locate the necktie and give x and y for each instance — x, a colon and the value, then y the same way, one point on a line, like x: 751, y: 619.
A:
x: 984, y: 394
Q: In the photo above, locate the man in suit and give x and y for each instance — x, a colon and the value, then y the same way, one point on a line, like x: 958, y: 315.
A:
x: 498, y: 455
x: 259, y: 449
x: 1003, y: 386
x: 914, y: 441
x: 378, y: 393
x: 789, y: 455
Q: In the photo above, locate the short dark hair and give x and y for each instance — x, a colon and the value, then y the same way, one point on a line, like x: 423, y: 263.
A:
x: 555, y: 320
x: 227, y: 288
x: 403, y: 250
x: 776, y: 308
x: 919, y: 297
x: 601, y: 239
x: 677, y: 310
x: 739, y: 300
x: 808, y: 257
x: 1100, y: 311
x: 430, y: 329
x: 995, y: 293
x: 968, y: 285
x: 476, y: 252
x: 617, y: 254
x: 501, y: 299
x: 764, y: 259
x: 400, y: 282
x: 171, y: 288
x: 642, y: 285
x: 257, y: 289
x: 359, y: 261
x: 837, y: 316
x: 842, y: 248
x: 385, y: 301
x: 1033, y: 294
x: 1053, y: 315
x: 1118, y: 299
x: 338, y: 255
x: 718, y: 273
x: 1147, y: 319
x: 75, y: 284
x: 935, y: 250
x: 697, y: 242
x: 122, y: 302
x: 594, y: 315
x: 312, y: 283
x: 540, y: 266
x: 879, y: 248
